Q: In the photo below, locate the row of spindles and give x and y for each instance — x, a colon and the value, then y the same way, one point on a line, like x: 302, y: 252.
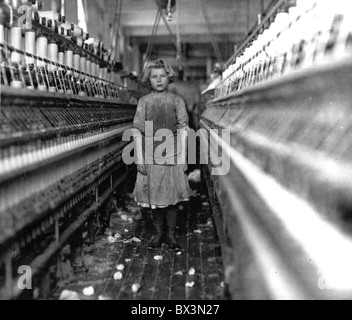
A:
x: 302, y: 34
x: 16, y: 191
x: 54, y: 56
x: 32, y: 59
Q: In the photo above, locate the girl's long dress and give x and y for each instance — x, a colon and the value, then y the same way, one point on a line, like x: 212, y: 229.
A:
x: 164, y: 185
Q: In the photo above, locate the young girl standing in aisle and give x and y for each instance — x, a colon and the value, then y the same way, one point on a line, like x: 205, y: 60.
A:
x: 161, y: 184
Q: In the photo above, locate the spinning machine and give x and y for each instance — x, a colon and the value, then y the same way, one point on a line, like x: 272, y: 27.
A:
x: 64, y: 108
x: 283, y: 210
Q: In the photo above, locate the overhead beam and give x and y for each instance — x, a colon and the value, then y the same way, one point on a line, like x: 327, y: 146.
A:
x: 192, y: 38
x: 197, y: 29
x: 196, y: 63
x: 190, y: 62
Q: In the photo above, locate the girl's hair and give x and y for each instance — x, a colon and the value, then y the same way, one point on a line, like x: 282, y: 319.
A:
x: 158, y: 64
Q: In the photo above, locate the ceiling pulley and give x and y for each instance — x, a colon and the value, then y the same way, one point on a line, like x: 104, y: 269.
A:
x: 169, y: 7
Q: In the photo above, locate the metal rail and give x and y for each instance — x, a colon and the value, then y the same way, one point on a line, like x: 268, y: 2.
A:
x: 43, y: 194
x: 286, y: 201
x: 256, y: 32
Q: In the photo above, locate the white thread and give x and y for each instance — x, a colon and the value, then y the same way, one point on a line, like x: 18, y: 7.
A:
x: 16, y: 39
x: 69, y: 60
x: 53, y: 56
x: 42, y: 50
x: 30, y: 45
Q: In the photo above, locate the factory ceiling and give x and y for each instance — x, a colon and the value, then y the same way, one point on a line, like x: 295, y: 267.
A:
x: 201, y: 26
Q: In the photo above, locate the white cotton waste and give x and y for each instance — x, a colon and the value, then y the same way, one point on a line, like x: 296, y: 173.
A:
x: 158, y: 258
x: 136, y: 287
x: 118, y: 276
x: 124, y: 217
x: 192, y: 272
x: 69, y: 295
x: 120, y: 267
x: 88, y: 291
x: 195, y: 176
x: 134, y: 239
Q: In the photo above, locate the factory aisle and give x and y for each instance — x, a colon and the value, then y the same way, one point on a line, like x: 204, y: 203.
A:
x: 126, y: 270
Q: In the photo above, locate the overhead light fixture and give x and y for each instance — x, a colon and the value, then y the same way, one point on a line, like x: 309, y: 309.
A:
x: 169, y: 7
x: 170, y: 17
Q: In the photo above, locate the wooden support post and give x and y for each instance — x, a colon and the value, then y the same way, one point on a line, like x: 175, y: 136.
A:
x: 248, y: 16
x: 136, y: 56
x: 97, y: 194
x: 9, y: 279
x: 57, y: 231
x: 59, y: 268
x: 125, y: 191
x: 46, y: 287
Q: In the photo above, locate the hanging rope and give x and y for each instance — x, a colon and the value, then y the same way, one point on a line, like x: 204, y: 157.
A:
x: 151, y: 42
x: 112, y: 30
x: 166, y: 23
x: 169, y: 13
x: 178, y: 34
x: 116, y: 30
x: 207, y: 21
x: 153, y: 37
x: 119, y: 19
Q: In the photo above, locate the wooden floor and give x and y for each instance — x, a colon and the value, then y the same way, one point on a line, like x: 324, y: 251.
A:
x: 168, y: 278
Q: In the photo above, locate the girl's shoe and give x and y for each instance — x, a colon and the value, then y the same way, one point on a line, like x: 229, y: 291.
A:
x: 158, y: 221
x: 156, y: 243
x: 171, y: 219
x: 172, y: 243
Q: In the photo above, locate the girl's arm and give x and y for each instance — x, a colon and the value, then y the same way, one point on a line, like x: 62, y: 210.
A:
x: 138, y: 129
x: 183, y: 127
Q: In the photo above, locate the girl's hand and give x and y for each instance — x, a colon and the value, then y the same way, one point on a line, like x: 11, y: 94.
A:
x: 141, y: 168
x: 185, y: 167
